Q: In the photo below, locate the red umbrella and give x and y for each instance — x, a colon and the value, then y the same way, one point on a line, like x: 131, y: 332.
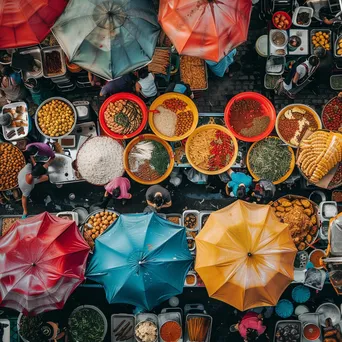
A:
x: 208, y: 29
x: 42, y: 261
x: 27, y: 22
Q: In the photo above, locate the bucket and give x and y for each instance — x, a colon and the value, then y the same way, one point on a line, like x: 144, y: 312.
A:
x: 294, y: 43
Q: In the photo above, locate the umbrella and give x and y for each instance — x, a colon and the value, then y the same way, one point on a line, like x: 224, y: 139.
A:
x: 42, y: 261
x: 110, y: 38
x: 141, y: 260
x: 27, y: 22
x: 244, y: 250
x: 208, y: 29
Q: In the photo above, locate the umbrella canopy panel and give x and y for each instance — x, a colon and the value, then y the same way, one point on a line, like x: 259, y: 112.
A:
x: 141, y: 260
x: 108, y: 37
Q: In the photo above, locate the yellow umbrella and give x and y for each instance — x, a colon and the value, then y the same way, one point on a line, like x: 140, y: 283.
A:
x: 245, y: 255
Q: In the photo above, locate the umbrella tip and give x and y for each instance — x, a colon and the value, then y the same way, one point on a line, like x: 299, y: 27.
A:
x: 33, y: 264
x: 249, y: 254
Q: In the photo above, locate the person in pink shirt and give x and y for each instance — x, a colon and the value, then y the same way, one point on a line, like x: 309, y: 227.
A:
x: 117, y: 188
x: 41, y: 149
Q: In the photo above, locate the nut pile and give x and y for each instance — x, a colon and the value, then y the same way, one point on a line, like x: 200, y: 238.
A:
x: 11, y: 161
x: 184, y: 122
x: 193, y: 72
x: 56, y: 118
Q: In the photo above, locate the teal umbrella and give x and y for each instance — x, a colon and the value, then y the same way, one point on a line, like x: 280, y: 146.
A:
x: 108, y: 37
x: 141, y: 260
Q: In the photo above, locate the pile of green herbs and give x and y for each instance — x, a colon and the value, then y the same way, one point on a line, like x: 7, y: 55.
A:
x: 270, y: 159
x: 30, y: 328
x: 160, y: 158
x: 86, y: 325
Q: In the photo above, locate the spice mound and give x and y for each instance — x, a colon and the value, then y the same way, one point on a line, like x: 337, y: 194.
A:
x: 269, y: 159
x: 99, y: 160
x: 11, y: 162
x: 332, y: 115
x: 193, y: 72
x: 294, y: 123
x: 248, y: 118
x: 211, y: 150
x: 53, y: 62
x: 146, y: 331
x: 170, y: 331
x: 337, y: 179
x: 123, y: 116
x: 148, y: 160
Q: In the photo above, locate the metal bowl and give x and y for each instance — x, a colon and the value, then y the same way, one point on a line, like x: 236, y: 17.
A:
x: 146, y: 320
x: 329, y: 310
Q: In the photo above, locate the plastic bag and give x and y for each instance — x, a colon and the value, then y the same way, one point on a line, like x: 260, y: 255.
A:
x: 196, y: 177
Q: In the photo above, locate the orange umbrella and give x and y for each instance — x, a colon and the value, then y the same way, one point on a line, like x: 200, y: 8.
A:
x: 208, y: 29
x: 245, y: 255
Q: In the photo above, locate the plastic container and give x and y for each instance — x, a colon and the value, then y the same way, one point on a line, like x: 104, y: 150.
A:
x: 73, y: 215
x: 302, y: 9
x: 140, y: 318
x: 123, y: 96
x: 178, y: 216
x: 63, y: 70
x: 315, y: 257
x: 197, y: 215
x: 286, y: 15
x: 190, y: 106
x: 336, y: 82
x: 313, y: 32
x: 267, y: 107
x: 267, y: 81
x: 204, y: 215
x: 117, y: 325
x: 336, y: 46
x: 202, y: 129
x: 261, y: 46
x: 283, y: 324
x: 329, y: 310
x: 193, y: 248
x: 164, y: 318
x: 188, y: 283
x: 311, y: 331
x: 142, y: 137
x: 189, y: 316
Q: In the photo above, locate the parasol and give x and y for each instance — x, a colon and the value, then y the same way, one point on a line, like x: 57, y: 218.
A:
x: 208, y: 29
x: 245, y: 255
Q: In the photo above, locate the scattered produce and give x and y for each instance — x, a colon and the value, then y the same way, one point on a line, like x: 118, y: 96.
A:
x: 53, y: 62
x: 146, y: 331
x: 321, y: 39
x: 174, y: 219
x: 301, y: 216
x: 281, y: 22
x: 193, y: 72
x: 7, y: 223
x: 11, y: 161
x: 160, y: 61
x: 99, y: 160
x: 247, y: 117
x: 318, y: 154
x: 170, y: 331
x: 190, y: 221
x: 270, y: 159
x: 303, y: 18
x: 288, y: 332
x: 123, y: 116
x: 86, y: 325
x: 332, y: 115
x: 337, y: 179
x: 293, y: 124
x: 123, y: 331
x: 56, y: 118
x: 198, y: 328
x: 336, y: 82
x: 339, y: 47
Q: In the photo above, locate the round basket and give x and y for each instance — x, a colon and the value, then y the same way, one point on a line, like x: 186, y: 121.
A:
x: 282, y: 179
x: 286, y: 15
x: 117, y: 97
x: 49, y: 100
x: 190, y: 106
x: 324, y: 109
x: 202, y: 129
x: 157, y: 139
x: 306, y: 108
x: 267, y: 107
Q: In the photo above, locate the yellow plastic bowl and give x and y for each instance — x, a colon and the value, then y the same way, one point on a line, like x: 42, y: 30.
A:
x: 280, y: 180
x: 142, y: 138
x: 205, y: 128
x: 190, y: 106
x: 307, y: 108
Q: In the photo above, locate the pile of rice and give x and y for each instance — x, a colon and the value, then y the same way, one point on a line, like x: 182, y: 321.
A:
x: 100, y: 159
x: 165, y: 121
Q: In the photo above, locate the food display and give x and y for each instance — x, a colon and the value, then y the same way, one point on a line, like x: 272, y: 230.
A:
x: 288, y: 332
x: 332, y: 115
x: 55, y: 118
x: 191, y: 243
x: 7, y: 223
x: 160, y: 61
x: 148, y: 160
x: 270, y: 159
x: 303, y: 18
x: 211, y: 149
x: 338, y: 46
x: 190, y: 221
x: 198, y: 328
x: 337, y: 178
x: 174, y: 219
x: 97, y: 224
x: 12, y: 161
x: 193, y: 72
x: 5, y: 57
x: 18, y: 128
x: 281, y: 22
x: 123, y: 331
x: 321, y: 39
x: 123, y: 116
x: 278, y: 38
x: 301, y: 216
x: 318, y: 154
x: 205, y: 219
x: 294, y: 121
x: 190, y: 279
x: 53, y: 62
x: 146, y: 331
x: 191, y: 233
x: 170, y: 331
x: 99, y: 160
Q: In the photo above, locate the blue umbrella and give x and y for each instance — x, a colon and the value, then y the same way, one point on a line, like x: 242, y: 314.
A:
x: 110, y: 38
x: 141, y: 260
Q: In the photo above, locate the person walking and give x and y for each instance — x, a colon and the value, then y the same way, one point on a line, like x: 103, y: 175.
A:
x: 226, y: 65
x: 158, y: 197
x: 240, y: 184
x: 264, y: 191
x: 118, y: 188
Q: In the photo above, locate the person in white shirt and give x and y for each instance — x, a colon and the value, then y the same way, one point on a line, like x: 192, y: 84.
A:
x: 145, y: 84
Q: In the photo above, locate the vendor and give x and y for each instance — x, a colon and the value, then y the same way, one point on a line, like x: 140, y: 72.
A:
x: 11, y: 86
x: 226, y: 65
x: 94, y: 80
x: 264, y: 191
x: 239, y: 185
x: 251, y: 327
x: 118, y: 188
x: 28, y: 177
x: 119, y: 85
x: 158, y: 197
x: 40, y: 149
x: 145, y: 86
x: 180, y: 87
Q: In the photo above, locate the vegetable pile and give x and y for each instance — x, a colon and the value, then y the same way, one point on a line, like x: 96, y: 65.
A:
x: 332, y: 115
x: 123, y: 116
x: 281, y: 22
x: 321, y: 39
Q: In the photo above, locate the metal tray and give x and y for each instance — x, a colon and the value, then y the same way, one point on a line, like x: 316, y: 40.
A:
x: 35, y: 52
x: 196, y: 213
x: 193, y: 249
x: 146, y: 317
x: 186, y: 335
x: 170, y: 316
x: 310, y: 318
x: 204, y: 213
x: 205, y: 70
x: 116, y: 319
x: 49, y: 50
x: 313, y: 32
x: 285, y: 322
x: 74, y: 215
x: 61, y: 170
x: 332, y: 77
x: 195, y: 275
x: 336, y: 47
x: 175, y: 215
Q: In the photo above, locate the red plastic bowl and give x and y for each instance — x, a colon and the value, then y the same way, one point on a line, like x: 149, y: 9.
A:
x: 268, y: 109
x: 287, y: 16
x: 311, y: 332
x: 123, y: 96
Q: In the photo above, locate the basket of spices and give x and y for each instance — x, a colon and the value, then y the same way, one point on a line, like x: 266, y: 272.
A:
x: 332, y: 114
x: 270, y: 159
x: 173, y: 116
x: 148, y: 159
x: 250, y: 116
